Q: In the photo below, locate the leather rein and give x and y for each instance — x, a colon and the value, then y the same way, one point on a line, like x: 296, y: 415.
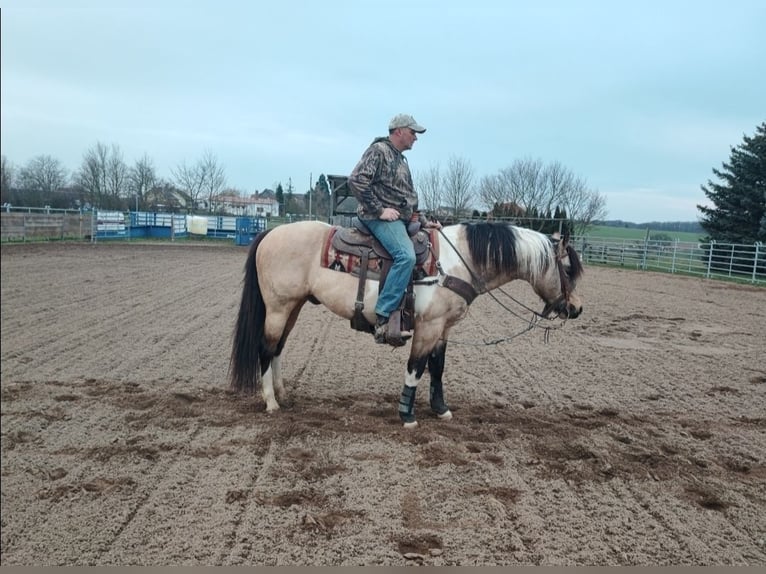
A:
x: 468, y: 291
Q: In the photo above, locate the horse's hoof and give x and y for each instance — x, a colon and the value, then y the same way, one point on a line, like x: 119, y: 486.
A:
x: 412, y: 425
x: 445, y: 416
x: 272, y: 408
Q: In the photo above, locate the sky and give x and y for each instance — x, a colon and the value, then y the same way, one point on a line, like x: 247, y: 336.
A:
x: 642, y: 100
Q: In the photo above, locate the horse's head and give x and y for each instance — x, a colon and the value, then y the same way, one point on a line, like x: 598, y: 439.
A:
x: 557, y: 287
x: 501, y: 252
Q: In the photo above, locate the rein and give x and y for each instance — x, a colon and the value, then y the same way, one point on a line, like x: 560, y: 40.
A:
x: 449, y: 280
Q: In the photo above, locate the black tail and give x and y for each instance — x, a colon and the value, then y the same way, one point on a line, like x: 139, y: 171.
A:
x: 245, y: 363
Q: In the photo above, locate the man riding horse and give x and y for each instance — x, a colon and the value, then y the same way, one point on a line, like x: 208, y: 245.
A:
x: 382, y: 185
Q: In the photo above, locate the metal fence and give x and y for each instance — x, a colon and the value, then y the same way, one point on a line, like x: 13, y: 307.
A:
x: 42, y: 224
x: 746, y: 262
x: 742, y: 262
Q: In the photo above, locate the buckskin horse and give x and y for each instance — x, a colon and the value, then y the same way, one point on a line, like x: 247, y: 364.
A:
x: 284, y: 270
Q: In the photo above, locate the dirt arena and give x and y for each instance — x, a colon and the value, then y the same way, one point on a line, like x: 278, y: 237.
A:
x: 635, y: 436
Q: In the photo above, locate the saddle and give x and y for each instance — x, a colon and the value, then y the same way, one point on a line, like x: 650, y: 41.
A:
x: 355, y: 250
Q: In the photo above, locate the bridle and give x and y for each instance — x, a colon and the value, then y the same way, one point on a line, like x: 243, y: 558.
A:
x: 477, y: 286
x: 563, y: 281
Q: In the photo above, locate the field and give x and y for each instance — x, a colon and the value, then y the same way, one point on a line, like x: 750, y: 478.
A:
x: 611, y: 232
x: 635, y: 436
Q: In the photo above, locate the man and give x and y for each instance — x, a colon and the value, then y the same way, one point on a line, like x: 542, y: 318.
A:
x: 382, y: 185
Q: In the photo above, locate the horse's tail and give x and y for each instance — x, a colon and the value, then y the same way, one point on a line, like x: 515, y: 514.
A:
x: 245, y: 362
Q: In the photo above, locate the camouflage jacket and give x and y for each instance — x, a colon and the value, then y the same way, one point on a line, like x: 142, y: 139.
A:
x: 382, y: 179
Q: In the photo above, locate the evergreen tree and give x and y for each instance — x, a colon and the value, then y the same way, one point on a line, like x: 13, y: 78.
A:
x: 738, y: 214
x: 279, y: 195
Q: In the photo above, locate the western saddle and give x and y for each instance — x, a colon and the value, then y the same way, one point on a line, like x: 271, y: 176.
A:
x: 355, y: 250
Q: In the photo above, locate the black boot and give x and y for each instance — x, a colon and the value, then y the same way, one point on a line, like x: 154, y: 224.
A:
x: 381, y: 330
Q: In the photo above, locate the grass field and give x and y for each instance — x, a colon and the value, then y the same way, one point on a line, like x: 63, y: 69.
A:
x: 635, y: 233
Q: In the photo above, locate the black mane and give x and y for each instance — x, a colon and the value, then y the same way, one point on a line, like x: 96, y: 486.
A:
x: 492, y: 246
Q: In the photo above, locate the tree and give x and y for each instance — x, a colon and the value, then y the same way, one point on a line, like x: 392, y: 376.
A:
x: 493, y: 194
x: 319, y: 197
x: 458, y: 185
x: 429, y: 185
x: 279, y: 195
x: 103, y: 176
x: 738, y: 214
x: 141, y: 178
x: 41, y: 177
x: 116, y: 174
x: 190, y: 179
x: 7, y: 181
x: 213, y: 176
x: 534, y: 188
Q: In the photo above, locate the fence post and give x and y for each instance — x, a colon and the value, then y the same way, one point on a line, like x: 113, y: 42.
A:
x: 645, y: 254
x: 673, y: 261
x: 755, y: 259
x: 710, y: 258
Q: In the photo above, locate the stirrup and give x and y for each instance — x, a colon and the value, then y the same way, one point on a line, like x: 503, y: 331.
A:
x: 383, y: 338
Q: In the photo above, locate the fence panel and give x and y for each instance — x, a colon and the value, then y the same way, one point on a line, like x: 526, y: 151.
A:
x: 712, y: 260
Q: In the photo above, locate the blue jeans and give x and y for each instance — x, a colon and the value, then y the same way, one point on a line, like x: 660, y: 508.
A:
x: 393, y: 236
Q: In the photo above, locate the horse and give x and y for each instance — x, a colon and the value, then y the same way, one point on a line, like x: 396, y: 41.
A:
x: 283, y: 272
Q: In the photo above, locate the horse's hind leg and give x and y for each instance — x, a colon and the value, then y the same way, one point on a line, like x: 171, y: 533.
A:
x: 279, y: 385
x: 272, y: 381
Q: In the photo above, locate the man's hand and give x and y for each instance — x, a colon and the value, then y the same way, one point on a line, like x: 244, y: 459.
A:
x: 433, y: 225
x: 389, y: 214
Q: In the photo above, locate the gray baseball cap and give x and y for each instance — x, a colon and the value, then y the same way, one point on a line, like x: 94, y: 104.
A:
x: 405, y: 121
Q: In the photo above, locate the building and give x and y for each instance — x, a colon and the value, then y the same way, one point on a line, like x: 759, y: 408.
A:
x: 253, y: 206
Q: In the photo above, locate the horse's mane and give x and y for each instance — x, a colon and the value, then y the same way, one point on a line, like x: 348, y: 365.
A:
x: 575, y: 265
x: 498, y: 247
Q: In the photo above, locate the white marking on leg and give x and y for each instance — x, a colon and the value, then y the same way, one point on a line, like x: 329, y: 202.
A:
x: 279, y: 385
x: 410, y: 380
x: 267, y: 381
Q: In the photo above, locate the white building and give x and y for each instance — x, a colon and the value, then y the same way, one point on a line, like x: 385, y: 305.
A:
x: 252, y: 206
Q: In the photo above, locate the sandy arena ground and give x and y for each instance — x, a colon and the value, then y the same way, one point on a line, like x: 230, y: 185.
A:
x: 635, y: 436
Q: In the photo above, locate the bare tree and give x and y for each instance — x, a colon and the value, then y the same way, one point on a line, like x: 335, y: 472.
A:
x: 141, y: 178
x: 583, y: 207
x: 541, y: 189
x: 92, y: 174
x: 524, y: 182
x: 429, y: 186
x: 213, y: 176
x: 204, y: 179
x: 492, y: 192
x: 190, y: 181
x: 116, y: 173
x: 458, y: 185
x: 103, y: 175
x: 43, y: 175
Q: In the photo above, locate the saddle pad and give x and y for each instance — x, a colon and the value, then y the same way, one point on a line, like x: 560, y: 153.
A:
x: 337, y: 260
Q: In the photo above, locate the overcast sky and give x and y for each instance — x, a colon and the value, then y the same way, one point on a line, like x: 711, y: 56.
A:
x: 640, y: 99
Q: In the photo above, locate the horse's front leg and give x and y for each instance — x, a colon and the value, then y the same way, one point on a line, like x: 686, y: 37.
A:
x: 436, y: 369
x: 416, y: 366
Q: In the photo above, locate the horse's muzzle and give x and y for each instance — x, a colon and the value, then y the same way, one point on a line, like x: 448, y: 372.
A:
x: 562, y: 309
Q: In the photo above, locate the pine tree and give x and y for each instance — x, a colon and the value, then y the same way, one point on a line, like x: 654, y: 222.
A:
x: 738, y: 214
